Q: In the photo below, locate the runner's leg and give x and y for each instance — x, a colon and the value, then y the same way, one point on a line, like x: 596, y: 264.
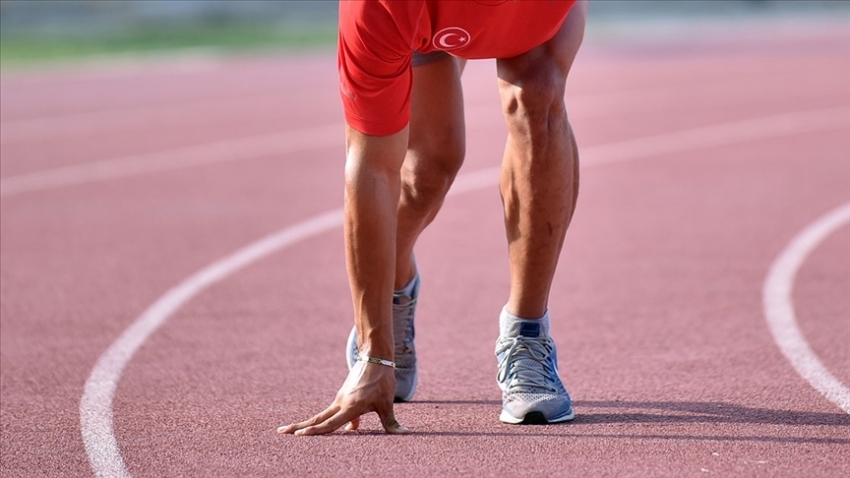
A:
x: 539, y: 180
x: 435, y: 153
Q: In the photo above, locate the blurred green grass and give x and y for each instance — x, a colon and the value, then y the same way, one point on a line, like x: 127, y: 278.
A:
x: 21, y: 49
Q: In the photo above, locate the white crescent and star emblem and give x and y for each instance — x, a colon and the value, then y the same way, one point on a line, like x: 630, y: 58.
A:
x: 451, y: 38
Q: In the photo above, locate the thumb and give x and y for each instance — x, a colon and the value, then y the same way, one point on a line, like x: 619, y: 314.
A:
x: 353, y: 424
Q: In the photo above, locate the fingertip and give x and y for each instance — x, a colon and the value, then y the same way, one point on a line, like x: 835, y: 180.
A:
x: 309, y: 431
x: 284, y: 429
x: 399, y: 430
x: 394, y: 427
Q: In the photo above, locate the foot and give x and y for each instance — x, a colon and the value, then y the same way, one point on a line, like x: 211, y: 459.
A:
x: 532, y: 391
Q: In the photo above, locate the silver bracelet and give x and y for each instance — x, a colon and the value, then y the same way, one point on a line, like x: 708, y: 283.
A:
x: 366, y: 358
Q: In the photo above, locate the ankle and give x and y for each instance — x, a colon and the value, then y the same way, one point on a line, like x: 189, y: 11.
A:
x: 407, y: 289
x: 512, y: 326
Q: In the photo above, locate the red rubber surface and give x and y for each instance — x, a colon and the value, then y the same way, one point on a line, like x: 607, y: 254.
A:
x: 657, y: 305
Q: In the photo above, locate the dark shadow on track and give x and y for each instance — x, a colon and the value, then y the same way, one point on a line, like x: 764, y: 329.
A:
x: 687, y: 412
x: 703, y: 412
x: 458, y: 402
x: 522, y: 432
x: 594, y: 413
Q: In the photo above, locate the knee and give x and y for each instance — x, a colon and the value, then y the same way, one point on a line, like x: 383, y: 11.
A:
x: 427, y: 177
x: 535, y: 105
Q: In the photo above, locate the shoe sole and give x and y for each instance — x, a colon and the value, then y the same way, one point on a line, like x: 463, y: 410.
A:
x: 351, y: 359
x: 533, y: 418
x: 351, y: 348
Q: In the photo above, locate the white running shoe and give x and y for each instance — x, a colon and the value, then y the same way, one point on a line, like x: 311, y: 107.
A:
x: 532, y: 391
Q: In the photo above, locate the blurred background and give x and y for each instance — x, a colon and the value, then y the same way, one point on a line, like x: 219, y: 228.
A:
x: 53, y: 32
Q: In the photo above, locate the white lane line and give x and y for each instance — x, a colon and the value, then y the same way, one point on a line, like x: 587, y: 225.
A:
x: 164, y: 115
x: 96, y: 404
x: 113, y: 120
x: 204, y: 154
x: 104, y: 121
x: 274, y: 144
x: 726, y: 133
x: 323, y: 136
x: 779, y: 307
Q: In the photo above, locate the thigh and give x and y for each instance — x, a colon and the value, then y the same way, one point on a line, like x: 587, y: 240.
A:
x: 436, y: 114
x: 552, y: 60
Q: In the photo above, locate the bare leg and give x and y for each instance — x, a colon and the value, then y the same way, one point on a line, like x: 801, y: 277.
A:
x: 435, y: 153
x: 539, y: 181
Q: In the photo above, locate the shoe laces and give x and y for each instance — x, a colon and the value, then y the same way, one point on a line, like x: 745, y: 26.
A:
x: 403, y: 332
x: 525, y: 365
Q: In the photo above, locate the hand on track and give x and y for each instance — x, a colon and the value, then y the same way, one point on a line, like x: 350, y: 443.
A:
x: 368, y: 388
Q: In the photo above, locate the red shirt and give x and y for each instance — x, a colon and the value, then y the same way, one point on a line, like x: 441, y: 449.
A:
x: 377, y: 39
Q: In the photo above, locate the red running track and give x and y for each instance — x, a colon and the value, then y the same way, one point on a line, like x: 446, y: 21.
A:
x: 701, y: 163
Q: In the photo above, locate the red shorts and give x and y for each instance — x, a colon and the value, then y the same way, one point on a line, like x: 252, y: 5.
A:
x: 377, y: 39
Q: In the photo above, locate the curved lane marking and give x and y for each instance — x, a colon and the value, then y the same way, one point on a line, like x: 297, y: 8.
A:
x: 96, y: 404
x: 779, y: 307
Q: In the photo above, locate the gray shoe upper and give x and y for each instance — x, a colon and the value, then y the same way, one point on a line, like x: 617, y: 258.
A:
x: 528, y: 375
x: 404, y: 331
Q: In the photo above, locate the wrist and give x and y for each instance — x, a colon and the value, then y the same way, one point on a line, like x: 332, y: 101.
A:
x: 375, y: 360
x: 376, y: 344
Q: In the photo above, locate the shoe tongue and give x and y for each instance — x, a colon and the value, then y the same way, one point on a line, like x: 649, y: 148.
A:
x: 511, y: 326
x: 529, y: 329
x: 526, y: 328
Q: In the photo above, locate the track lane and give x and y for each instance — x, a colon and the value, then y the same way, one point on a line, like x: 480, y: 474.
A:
x: 695, y: 408
x: 745, y: 423
x: 211, y: 413
x: 779, y: 306
x: 820, y: 280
